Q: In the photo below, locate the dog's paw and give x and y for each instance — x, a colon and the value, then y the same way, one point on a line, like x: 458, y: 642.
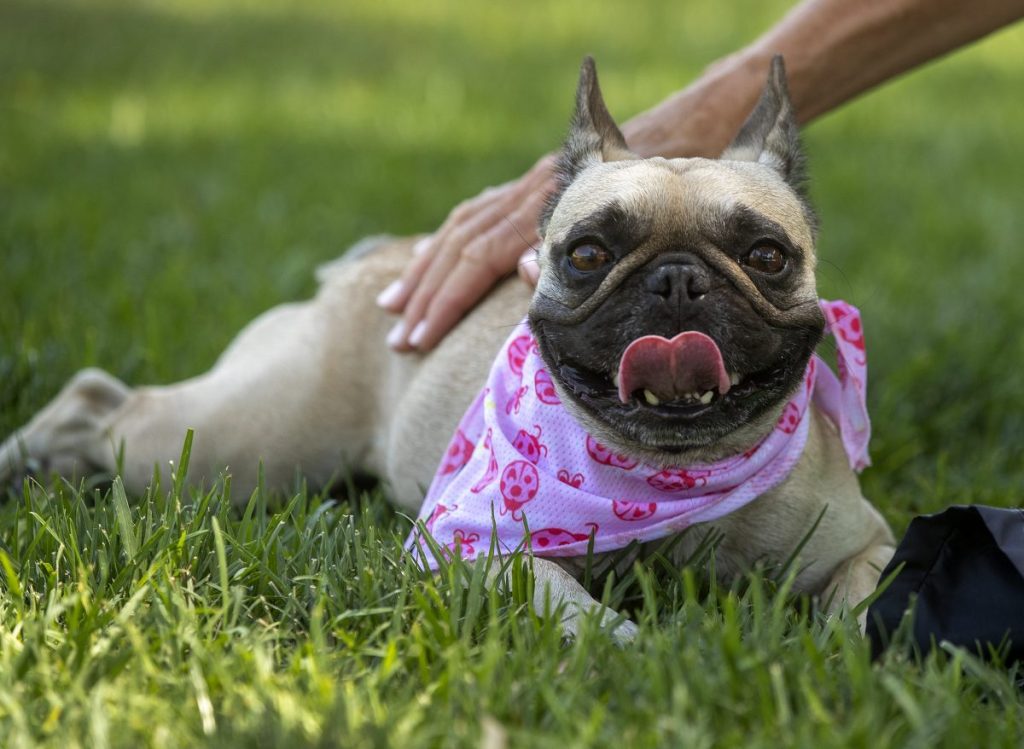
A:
x: 622, y: 631
x: 625, y: 633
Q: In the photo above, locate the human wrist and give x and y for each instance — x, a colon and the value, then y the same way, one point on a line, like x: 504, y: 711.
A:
x: 703, y: 118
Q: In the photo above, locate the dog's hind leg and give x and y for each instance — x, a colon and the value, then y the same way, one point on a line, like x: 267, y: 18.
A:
x: 62, y: 437
x: 238, y: 410
x: 275, y: 397
x: 294, y: 391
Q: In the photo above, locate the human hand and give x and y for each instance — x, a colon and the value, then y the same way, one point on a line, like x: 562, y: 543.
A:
x: 484, y: 238
x: 482, y: 241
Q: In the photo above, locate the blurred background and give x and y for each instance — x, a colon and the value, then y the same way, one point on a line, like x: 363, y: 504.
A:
x: 168, y: 170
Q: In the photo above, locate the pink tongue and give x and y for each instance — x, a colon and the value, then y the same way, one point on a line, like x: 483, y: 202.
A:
x: 689, y: 363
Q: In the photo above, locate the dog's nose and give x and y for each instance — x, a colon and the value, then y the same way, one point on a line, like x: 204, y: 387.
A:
x: 679, y: 282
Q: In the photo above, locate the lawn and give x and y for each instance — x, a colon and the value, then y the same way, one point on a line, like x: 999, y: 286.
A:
x: 168, y: 170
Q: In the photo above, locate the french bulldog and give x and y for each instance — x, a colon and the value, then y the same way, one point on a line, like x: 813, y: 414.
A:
x: 676, y: 312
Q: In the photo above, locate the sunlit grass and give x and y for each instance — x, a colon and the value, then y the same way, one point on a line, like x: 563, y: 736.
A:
x: 169, y: 170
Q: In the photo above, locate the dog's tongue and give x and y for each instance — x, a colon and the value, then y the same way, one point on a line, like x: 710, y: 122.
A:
x: 689, y: 363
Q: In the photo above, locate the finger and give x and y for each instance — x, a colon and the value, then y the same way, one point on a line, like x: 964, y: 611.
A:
x: 430, y: 260
x: 528, y: 265
x: 470, y: 220
x: 473, y: 244
x: 529, y: 268
x: 393, y: 298
x: 465, y: 286
x: 483, y: 262
x: 396, y: 296
x: 533, y: 184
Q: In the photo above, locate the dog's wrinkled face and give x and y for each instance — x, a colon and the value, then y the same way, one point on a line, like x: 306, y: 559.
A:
x: 677, y: 308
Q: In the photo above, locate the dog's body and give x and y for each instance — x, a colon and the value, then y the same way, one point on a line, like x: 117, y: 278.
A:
x: 313, y: 387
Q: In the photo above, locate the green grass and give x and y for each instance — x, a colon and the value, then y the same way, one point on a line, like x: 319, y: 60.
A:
x: 168, y: 170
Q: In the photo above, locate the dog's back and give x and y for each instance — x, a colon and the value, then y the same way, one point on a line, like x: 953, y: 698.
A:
x: 409, y: 404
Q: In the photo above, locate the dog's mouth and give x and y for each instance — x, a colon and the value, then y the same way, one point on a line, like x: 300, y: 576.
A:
x: 684, y: 378
x: 606, y: 392
x: 671, y: 395
x: 685, y: 371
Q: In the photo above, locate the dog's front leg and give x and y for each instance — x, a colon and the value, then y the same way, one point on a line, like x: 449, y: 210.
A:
x: 856, y: 579
x: 556, y: 590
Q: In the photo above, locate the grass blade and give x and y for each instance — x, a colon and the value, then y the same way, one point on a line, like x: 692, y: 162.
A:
x: 123, y: 514
x: 222, y: 566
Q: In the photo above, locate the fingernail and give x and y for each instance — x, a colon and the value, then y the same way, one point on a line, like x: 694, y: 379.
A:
x: 396, y: 336
x: 418, y: 334
x: 390, y: 294
x: 529, y: 268
x: 422, y: 245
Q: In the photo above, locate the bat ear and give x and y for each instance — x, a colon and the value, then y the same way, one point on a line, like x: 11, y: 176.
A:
x: 770, y: 136
x: 593, y: 137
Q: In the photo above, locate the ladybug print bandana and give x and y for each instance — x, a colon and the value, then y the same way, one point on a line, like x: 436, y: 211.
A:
x: 521, y: 466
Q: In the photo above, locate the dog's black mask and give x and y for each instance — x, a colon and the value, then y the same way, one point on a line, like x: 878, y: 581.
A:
x: 675, y: 289
x: 720, y: 251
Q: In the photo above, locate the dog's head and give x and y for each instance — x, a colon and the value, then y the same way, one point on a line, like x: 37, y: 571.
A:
x: 676, y: 307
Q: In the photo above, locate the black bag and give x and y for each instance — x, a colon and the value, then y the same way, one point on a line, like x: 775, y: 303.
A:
x: 965, y: 568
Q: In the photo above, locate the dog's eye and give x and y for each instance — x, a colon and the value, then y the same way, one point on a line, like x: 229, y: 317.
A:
x: 765, y: 258
x: 588, y: 257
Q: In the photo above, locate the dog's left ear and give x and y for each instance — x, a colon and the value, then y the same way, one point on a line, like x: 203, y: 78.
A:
x: 770, y: 135
x: 593, y: 137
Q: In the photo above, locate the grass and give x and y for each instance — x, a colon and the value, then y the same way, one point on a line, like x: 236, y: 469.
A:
x: 169, y: 170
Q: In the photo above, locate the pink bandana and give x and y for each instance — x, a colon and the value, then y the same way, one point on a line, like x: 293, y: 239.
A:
x: 518, y: 456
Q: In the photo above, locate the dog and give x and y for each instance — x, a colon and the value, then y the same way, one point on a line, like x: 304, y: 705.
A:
x: 675, y: 319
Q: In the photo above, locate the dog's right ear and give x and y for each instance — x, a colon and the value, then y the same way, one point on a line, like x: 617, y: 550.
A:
x: 593, y: 137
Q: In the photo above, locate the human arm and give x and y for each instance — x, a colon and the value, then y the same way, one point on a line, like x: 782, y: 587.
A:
x: 834, y: 50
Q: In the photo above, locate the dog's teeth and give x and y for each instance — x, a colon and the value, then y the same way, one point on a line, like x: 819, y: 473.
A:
x: 615, y: 379
x: 734, y: 379
x: 706, y: 398
x: 651, y: 398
